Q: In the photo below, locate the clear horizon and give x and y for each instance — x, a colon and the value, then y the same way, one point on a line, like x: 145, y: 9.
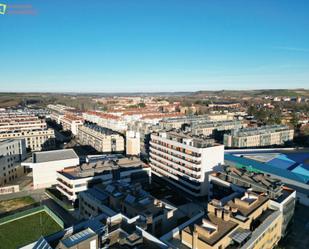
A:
x: 155, y: 46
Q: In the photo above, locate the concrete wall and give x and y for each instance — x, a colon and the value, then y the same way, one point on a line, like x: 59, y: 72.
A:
x: 45, y: 174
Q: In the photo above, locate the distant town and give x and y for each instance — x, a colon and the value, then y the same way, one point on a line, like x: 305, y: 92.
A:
x: 207, y: 169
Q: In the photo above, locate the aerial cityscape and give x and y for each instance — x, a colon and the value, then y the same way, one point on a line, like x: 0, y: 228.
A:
x: 154, y: 124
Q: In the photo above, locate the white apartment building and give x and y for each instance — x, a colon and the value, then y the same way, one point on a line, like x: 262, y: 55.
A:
x: 28, y: 127
x: 100, y: 138
x: 185, y: 160
x: 108, y: 121
x: 207, y: 128
x: 133, y: 143
x: 71, y: 123
x: 66, y: 116
x: 259, y: 137
x: 36, y: 140
x: 12, y: 152
x: 11, y: 123
x: 45, y: 165
x: 60, y: 108
x: 211, y: 121
x: 73, y: 180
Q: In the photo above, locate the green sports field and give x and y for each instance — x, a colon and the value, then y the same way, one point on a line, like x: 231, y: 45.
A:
x: 23, y: 231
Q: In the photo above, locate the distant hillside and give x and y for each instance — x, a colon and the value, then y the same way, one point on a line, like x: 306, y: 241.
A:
x: 256, y: 93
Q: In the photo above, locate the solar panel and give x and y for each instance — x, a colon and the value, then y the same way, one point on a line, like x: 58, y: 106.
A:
x: 42, y: 244
x: 144, y: 201
x: 240, y: 235
x: 130, y: 199
x: 110, y: 188
x: 78, y: 237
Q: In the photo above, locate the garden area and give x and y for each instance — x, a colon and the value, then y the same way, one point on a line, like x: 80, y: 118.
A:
x: 11, y: 206
x: 24, y: 230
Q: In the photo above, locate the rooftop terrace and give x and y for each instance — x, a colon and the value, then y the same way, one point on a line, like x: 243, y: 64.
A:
x: 102, y: 167
x: 187, y: 138
x: 53, y: 155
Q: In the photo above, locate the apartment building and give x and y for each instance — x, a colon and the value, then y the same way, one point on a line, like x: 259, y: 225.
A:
x: 117, y: 231
x: 45, y: 165
x: 100, y: 138
x: 67, y: 116
x: 109, y: 121
x: 156, y: 217
x: 144, y: 129
x: 185, y: 160
x: 12, y: 152
x: 13, y: 122
x: 290, y: 167
x: 257, y: 137
x: 34, y: 130
x: 233, y: 181
x: 208, y: 128
x: 71, y: 123
x: 133, y: 143
x: 119, y: 120
x: 210, y: 119
x: 60, y: 108
x: 73, y: 180
x: 40, y: 112
x: 246, y: 221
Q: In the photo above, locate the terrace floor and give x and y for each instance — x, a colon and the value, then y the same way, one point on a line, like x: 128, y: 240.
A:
x: 26, y: 230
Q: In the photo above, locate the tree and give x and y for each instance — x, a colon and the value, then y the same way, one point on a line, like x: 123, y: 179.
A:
x: 295, y: 119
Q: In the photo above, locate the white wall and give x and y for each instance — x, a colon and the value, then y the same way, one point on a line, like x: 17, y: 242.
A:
x: 45, y: 174
x: 212, y: 158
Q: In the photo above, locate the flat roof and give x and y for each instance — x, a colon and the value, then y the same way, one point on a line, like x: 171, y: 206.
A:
x: 224, y: 227
x: 280, y: 165
x: 246, y: 211
x: 78, y: 237
x: 53, y: 155
x: 197, y: 141
x: 9, y: 140
x: 101, y: 166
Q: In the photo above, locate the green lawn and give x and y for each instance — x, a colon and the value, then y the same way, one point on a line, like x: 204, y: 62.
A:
x: 26, y: 230
x: 16, y: 203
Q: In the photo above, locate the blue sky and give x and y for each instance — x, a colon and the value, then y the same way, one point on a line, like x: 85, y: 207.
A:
x: 155, y: 45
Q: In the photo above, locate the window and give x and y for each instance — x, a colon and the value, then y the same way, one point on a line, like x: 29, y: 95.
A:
x: 93, y: 244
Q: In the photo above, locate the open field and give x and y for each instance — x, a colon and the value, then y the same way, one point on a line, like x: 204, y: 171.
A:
x: 15, y: 204
x: 25, y: 230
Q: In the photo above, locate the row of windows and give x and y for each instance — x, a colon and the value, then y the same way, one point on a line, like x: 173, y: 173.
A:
x: 176, y: 168
x: 176, y: 155
x: 186, y: 151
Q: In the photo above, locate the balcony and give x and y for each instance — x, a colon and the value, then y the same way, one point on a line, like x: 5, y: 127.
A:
x: 193, y: 157
x: 176, y: 158
x: 193, y: 183
x: 178, y: 168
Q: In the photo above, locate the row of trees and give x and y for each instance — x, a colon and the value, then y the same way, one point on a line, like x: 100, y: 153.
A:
x: 266, y: 116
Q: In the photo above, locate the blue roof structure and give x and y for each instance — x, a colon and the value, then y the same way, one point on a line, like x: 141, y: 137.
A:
x: 96, y: 193
x: 78, y: 237
x: 42, y: 244
x: 302, y: 169
x: 281, y: 170
x: 281, y: 161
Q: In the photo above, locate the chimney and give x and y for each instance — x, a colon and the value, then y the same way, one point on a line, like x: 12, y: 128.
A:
x: 194, y: 239
x: 226, y: 215
x: 219, y: 213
